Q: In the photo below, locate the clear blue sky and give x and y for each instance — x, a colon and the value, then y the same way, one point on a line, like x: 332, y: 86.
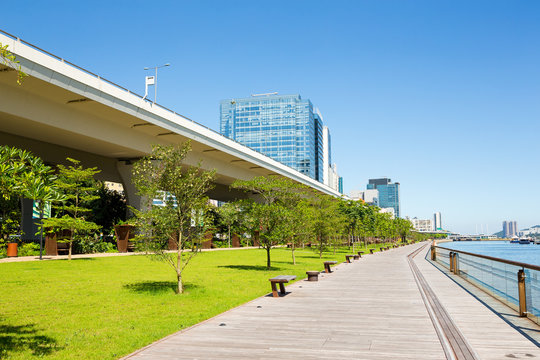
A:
x: 441, y: 96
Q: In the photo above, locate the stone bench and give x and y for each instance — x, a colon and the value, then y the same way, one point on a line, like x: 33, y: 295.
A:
x: 281, y: 280
x: 327, y: 266
x: 348, y: 258
x: 360, y: 253
x: 371, y: 251
x: 312, y: 275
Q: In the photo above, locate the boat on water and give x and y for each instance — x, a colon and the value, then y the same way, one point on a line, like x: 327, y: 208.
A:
x: 522, y: 240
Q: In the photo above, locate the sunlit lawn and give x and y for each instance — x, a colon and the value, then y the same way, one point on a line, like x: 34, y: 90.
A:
x: 104, y: 308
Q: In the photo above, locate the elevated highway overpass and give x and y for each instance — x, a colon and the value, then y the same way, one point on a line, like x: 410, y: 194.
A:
x: 64, y: 110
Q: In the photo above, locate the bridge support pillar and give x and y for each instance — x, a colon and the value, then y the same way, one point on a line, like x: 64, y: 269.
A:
x: 124, y: 169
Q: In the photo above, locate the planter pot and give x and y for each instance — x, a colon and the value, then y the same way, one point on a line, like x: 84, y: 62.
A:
x: 173, y: 245
x: 51, y: 242
x: 256, y: 241
x: 123, y: 234
x: 235, y: 240
x: 12, y: 250
x: 207, y: 244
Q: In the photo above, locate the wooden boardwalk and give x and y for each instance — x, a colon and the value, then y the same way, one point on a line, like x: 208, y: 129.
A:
x: 369, y: 309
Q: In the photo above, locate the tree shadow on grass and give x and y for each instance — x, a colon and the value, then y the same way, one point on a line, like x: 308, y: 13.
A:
x: 157, y: 287
x: 77, y: 259
x: 250, y: 267
x: 19, y: 338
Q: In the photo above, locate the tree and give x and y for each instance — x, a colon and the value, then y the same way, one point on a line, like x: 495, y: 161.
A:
x: 325, y: 220
x: 108, y: 209
x: 8, y: 58
x: 228, y: 216
x: 23, y: 175
x: 403, y: 228
x: 300, y: 223
x: 270, y: 213
x: 78, y: 187
x: 183, y: 189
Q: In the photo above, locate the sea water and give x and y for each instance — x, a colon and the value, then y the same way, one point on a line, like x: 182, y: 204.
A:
x: 524, y: 253
x: 498, y: 277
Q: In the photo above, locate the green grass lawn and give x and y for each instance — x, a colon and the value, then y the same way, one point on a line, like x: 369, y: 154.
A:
x: 104, y: 308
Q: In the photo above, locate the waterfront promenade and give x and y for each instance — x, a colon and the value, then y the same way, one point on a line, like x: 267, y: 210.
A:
x: 369, y: 309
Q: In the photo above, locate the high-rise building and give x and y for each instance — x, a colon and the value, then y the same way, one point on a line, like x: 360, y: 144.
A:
x: 388, y: 193
x: 283, y: 127
x: 509, y: 229
x: 437, y: 224
x: 330, y: 174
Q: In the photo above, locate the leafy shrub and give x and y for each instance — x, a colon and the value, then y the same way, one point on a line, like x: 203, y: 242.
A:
x: 91, y: 245
x: 30, y: 249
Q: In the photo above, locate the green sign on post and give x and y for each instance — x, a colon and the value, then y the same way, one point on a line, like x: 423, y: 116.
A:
x: 46, y: 210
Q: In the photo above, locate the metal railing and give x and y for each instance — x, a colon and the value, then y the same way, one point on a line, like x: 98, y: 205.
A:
x: 514, y: 283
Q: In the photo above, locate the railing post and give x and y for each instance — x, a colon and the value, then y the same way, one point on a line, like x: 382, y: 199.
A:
x: 433, y: 253
x: 456, y: 263
x: 451, y: 261
x: 521, y: 291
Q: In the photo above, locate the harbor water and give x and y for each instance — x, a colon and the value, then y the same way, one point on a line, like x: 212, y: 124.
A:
x: 498, y: 278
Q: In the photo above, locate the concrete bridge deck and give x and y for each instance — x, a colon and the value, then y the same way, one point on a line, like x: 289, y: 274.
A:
x: 369, y: 309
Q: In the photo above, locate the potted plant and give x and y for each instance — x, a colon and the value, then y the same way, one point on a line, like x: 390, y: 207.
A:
x: 124, y: 231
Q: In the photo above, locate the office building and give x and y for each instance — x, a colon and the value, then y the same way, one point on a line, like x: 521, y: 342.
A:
x: 388, y: 193
x: 370, y: 197
x: 437, y: 224
x: 330, y: 174
x: 390, y: 211
x: 286, y: 128
x: 422, y: 225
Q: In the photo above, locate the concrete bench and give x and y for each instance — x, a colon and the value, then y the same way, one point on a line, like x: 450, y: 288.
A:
x: 312, y: 275
x: 281, y: 279
x: 356, y: 257
x: 327, y: 266
x: 348, y: 258
x: 371, y: 251
x: 360, y: 253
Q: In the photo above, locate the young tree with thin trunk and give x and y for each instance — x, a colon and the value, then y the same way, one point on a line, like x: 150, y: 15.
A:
x: 181, y: 219
x: 271, y: 211
x: 324, y: 221
x: 228, y: 216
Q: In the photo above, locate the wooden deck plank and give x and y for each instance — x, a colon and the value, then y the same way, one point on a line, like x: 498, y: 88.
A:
x: 369, y: 309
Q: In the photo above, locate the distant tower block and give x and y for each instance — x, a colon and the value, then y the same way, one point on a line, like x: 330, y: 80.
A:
x: 437, y: 223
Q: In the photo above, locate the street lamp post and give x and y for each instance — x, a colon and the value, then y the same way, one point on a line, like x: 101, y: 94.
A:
x: 155, y: 80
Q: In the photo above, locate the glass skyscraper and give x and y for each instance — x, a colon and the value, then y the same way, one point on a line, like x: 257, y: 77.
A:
x: 388, y: 193
x: 283, y: 127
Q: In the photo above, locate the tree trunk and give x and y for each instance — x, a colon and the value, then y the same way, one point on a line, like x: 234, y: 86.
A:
x: 70, y: 244
x: 229, y: 235
x: 268, y: 257
x: 320, y: 247
x: 292, y: 252
x: 180, y: 288
x: 353, y: 241
x: 179, y: 264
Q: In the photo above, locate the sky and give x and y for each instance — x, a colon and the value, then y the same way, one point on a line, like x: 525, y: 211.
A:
x: 440, y: 96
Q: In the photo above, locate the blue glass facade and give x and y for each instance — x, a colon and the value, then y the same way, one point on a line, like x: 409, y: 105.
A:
x: 388, y: 193
x: 283, y: 127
